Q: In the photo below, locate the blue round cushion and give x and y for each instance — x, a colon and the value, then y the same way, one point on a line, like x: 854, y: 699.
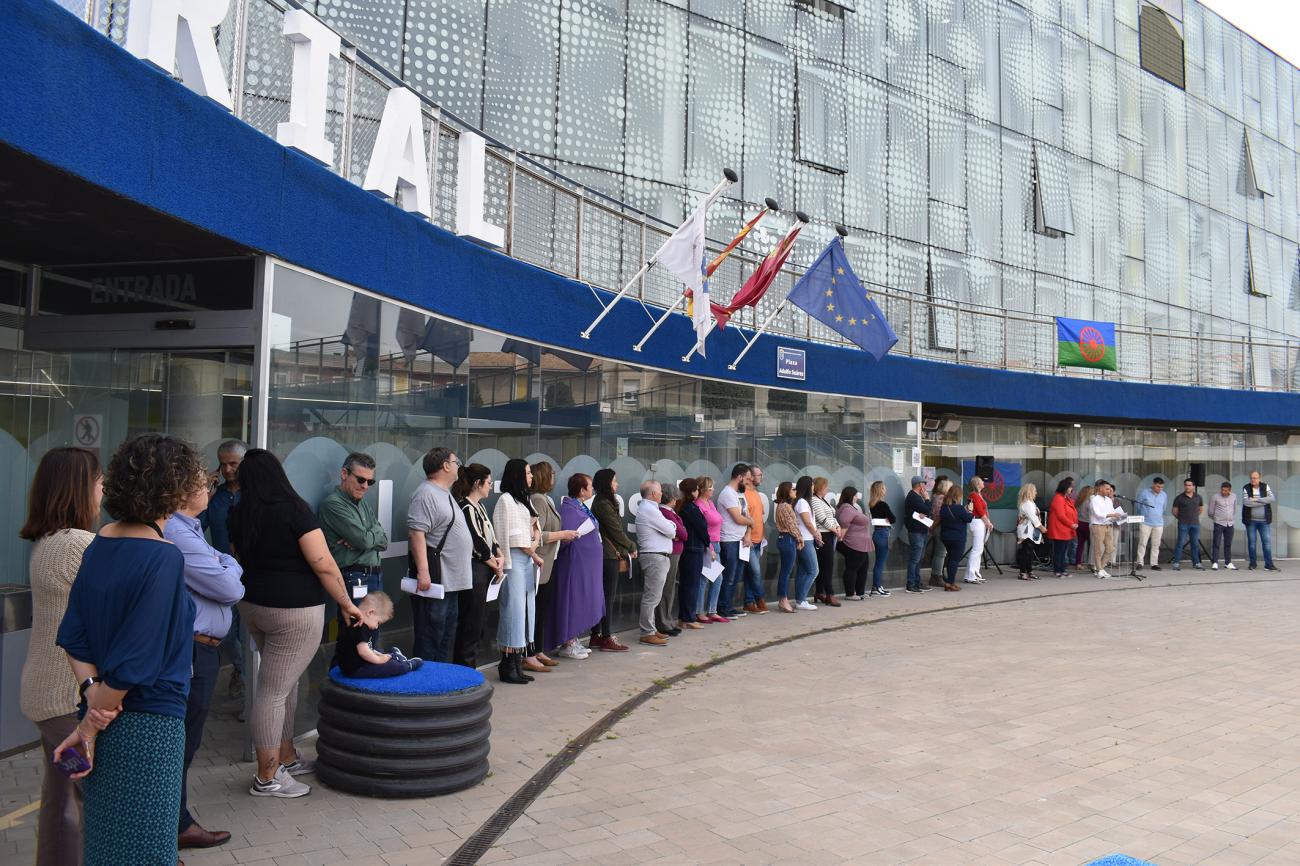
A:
x: 433, y: 678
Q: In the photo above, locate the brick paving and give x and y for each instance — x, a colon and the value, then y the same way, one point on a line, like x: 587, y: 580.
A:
x: 1157, y: 722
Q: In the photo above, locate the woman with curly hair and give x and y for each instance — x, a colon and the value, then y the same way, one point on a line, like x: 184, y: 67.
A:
x: 288, y: 571
x: 128, y: 633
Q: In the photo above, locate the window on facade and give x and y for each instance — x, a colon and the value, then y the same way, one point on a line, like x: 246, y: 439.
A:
x: 1053, y: 207
x: 631, y: 392
x: 1258, y: 181
x: 1161, y: 40
x: 820, y: 127
x: 1259, y: 273
x: 827, y: 7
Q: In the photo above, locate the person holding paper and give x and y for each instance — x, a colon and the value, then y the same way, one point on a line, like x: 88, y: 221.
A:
x: 918, y: 531
x: 654, y: 541
x: 548, y: 520
x: 806, y: 549
x: 1029, y: 531
x: 619, y: 552
x: 856, y: 546
x: 1102, y: 515
x: 441, y: 551
x: 882, y: 522
x: 1188, y: 507
x: 515, y: 523
x: 953, y: 520
x: 710, y: 589
x: 578, y: 599
x: 1257, y: 503
x: 473, y: 484
x: 696, y: 550
x: 736, y: 524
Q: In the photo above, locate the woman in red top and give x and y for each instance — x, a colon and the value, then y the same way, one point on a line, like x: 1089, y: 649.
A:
x: 1062, y: 523
x: 979, y: 530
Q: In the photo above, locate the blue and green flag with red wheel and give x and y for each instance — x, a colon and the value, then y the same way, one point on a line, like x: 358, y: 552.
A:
x: 1081, y: 343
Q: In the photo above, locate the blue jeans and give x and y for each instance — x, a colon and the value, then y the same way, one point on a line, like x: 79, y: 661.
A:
x: 880, y: 539
x: 807, y: 571
x: 433, y: 626
x: 916, y: 540
x: 1060, y: 553
x: 1265, y: 531
x: 351, y: 578
x: 518, y: 602
x: 710, y: 590
x: 1188, y: 532
x: 753, y: 573
x: 731, y: 575
x: 786, y: 545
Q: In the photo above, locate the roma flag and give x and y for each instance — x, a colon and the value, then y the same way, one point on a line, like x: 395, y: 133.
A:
x: 1081, y: 343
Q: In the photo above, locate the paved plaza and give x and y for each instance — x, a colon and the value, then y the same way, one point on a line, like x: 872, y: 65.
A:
x: 1067, y: 721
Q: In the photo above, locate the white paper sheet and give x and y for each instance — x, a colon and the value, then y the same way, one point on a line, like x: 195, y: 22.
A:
x: 713, y: 571
x: 494, y: 588
x: 587, y: 526
x: 409, y: 584
x: 744, y: 553
x: 880, y: 521
x: 922, y: 519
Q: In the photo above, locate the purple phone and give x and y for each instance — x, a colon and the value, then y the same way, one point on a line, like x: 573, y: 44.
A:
x: 73, y: 762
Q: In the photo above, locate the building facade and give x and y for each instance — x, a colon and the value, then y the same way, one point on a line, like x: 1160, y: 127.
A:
x: 167, y: 264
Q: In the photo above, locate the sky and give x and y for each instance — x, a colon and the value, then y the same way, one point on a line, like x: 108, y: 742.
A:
x: 1275, y: 23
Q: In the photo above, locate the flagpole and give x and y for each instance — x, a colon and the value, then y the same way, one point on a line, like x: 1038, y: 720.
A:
x: 843, y: 233
x: 800, y: 219
x: 772, y: 206
x: 729, y: 177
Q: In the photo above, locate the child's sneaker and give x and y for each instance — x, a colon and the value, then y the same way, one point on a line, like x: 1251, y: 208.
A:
x: 413, y: 664
x: 397, y: 654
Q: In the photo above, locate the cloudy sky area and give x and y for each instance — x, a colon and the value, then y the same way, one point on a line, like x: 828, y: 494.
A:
x: 1275, y: 23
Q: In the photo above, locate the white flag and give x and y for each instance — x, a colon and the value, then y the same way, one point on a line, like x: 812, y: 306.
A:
x: 683, y: 252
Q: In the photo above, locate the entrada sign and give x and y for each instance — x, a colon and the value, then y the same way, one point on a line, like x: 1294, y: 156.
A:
x: 178, y: 34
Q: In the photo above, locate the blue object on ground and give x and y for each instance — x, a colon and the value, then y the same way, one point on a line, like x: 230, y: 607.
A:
x: 1120, y: 860
x: 432, y: 678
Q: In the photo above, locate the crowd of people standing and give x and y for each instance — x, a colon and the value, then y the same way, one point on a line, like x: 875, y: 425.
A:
x: 130, y: 617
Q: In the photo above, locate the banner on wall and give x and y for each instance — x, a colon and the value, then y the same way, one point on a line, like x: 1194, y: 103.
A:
x: 1004, y: 490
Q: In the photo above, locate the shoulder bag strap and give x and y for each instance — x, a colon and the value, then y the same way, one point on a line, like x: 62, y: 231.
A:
x: 455, y: 510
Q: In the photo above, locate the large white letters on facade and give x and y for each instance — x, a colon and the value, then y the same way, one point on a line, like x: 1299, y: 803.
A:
x: 471, y: 183
x: 398, y: 168
x: 177, y: 34
x: 313, y: 46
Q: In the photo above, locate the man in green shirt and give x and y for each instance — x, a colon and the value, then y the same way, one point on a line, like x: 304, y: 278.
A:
x: 351, y: 528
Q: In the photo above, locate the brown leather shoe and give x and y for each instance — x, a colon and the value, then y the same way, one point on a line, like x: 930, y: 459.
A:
x: 195, y: 836
x: 613, y: 645
x: 654, y: 639
x: 832, y: 601
x: 547, y: 660
x: 535, y: 667
x: 762, y: 606
x: 752, y: 608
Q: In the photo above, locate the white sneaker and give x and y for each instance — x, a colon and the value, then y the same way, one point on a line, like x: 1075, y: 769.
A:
x: 804, y: 605
x: 1230, y: 567
x: 572, y: 651
x: 281, y: 785
x: 1103, y: 574
x: 1214, y: 566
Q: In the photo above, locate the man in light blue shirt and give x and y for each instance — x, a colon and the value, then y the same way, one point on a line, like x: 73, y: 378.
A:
x: 214, y: 582
x: 1151, y: 506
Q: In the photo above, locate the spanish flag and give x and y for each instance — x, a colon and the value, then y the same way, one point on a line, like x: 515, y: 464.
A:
x: 722, y: 257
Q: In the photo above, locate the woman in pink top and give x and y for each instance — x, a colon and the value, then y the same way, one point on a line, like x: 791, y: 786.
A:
x: 710, y: 590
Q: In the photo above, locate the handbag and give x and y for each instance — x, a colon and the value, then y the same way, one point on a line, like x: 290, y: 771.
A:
x: 434, y: 554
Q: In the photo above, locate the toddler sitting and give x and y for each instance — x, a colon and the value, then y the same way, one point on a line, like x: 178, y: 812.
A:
x: 355, y: 652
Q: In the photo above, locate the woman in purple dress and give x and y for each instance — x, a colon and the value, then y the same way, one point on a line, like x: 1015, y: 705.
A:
x: 578, y: 600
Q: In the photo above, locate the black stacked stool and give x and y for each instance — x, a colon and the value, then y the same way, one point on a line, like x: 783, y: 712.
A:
x: 422, y: 734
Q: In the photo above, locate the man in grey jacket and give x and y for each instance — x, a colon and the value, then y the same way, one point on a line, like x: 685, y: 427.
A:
x: 1223, y: 514
x: 654, y: 542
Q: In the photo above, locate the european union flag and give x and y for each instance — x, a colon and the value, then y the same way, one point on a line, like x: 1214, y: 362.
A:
x: 832, y: 294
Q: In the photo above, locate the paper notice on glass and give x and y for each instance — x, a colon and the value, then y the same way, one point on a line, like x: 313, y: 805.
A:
x: 712, y: 571
x: 494, y: 588
x: 409, y: 584
x: 587, y: 526
x: 922, y: 519
x: 744, y: 553
x: 879, y: 521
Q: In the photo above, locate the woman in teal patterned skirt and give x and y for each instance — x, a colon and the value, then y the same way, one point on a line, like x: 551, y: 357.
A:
x: 128, y: 633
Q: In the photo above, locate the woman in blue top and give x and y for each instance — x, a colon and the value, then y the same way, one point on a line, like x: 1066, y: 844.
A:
x: 128, y: 633
x: 953, y: 520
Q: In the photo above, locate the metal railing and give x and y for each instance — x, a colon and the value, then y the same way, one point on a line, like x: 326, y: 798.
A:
x: 563, y: 226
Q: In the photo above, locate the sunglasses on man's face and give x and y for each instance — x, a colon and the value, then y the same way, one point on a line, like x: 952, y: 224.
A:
x: 363, y: 481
